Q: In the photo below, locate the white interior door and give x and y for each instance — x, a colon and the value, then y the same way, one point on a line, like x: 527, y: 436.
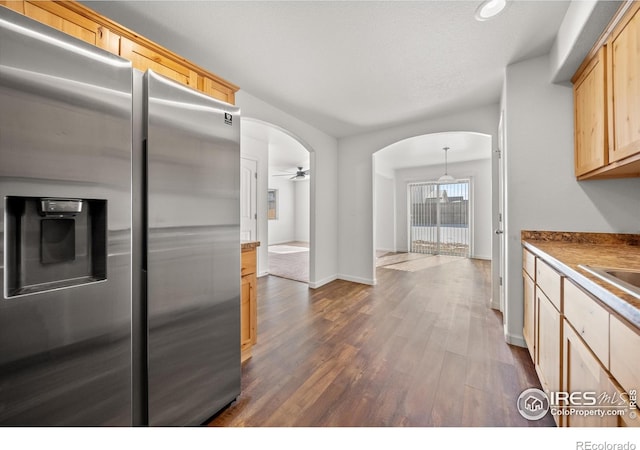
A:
x: 248, y: 199
x: 500, y: 230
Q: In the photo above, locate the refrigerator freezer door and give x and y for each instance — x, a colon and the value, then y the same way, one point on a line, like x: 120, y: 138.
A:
x: 65, y: 307
x: 193, y: 262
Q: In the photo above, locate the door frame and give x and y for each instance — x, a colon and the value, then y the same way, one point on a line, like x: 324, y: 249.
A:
x: 500, y: 230
x: 253, y: 196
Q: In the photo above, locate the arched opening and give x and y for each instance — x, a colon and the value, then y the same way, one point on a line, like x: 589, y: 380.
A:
x: 277, y: 199
x: 432, y: 201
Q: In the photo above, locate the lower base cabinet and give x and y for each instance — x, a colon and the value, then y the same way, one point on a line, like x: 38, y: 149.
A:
x: 586, y: 358
x: 529, y: 328
x: 248, y: 304
x: 549, y: 343
x: 584, y: 376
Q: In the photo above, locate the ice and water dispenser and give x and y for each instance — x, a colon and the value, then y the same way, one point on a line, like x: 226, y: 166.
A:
x: 54, y: 243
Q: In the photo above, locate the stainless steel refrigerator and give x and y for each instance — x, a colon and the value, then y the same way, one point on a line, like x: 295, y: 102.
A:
x: 120, y: 253
x: 65, y: 207
x: 187, y: 234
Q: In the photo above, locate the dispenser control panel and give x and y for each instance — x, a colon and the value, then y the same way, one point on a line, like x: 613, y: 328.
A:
x: 60, y: 206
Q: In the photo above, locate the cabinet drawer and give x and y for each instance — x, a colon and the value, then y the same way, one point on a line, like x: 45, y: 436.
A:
x: 529, y: 263
x: 549, y: 281
x: 589, y: 319
x: 248, y: 259
x: 583, y: 372
x: 624, y: 363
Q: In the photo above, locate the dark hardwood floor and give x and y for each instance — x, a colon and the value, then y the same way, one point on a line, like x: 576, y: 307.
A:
x: 419, y: 349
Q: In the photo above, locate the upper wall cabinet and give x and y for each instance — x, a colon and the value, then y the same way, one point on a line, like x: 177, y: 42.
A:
x: 607, y: 102
x: 144, y: 58
x: 57, y: 16
x: 77, y: 20
x: 624, y: 88
x: 589, y: 96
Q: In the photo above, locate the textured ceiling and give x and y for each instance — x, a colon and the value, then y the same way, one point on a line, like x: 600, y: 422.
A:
x: 349, y: 67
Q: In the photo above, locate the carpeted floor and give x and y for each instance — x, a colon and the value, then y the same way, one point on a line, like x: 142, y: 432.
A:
x: 289, y: 261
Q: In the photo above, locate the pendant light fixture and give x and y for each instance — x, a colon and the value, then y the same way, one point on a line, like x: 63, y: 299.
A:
x: 446, y: 178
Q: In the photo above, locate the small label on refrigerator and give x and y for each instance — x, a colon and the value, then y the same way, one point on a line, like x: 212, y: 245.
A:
x: 228, y: 119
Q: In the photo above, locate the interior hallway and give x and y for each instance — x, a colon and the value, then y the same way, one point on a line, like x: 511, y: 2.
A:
x: 421, y: 348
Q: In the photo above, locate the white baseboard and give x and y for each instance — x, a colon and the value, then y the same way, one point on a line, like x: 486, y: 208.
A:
x: 262, y: 274
x: 486, y: 258
x: 388, y: 250
x: 495, y: 304
x: 369, y: 281
x: 317, y: 284
x: 514, y: 339
x: 280, y: 242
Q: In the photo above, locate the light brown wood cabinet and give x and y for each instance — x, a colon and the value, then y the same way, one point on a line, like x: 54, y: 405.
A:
x: 57, y: 16
x: 549, y: 344
x: 216, y: 90
x: 17, y: 6
x: 529, y: 327
x: 590, y: 117
x: 578, y: 345
x: 143, y: 58
x: 624, y: 361
x: 543, y: 317
x: 530, y: 306
x: 584, y: 373
x: 83, y: 23
x: 607, y: 102
x: 624, y: 87
x: 248, y: 303
x: 590, y: 320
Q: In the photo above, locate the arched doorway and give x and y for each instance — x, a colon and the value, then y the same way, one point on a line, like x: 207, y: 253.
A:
x: 419, y: 210
x: 283, y: 201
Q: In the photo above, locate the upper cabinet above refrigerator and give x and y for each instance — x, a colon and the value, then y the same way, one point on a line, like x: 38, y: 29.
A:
x: 76, y: 19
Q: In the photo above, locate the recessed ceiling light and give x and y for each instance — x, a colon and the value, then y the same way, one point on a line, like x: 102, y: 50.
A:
x: 489, y: 9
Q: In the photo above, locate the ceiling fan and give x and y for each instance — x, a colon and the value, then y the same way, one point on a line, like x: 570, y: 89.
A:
x: 299, y: 175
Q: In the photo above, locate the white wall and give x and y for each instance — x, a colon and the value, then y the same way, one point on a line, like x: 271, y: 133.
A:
x: 302, y: 210
x: 323, y: 233
x: 542, y: 192
x: 581, y: 26
x: 355, y: 183
x: 479, y: 172
x: 283, y: 229
x: 385, y: 207
x: 292, y: 223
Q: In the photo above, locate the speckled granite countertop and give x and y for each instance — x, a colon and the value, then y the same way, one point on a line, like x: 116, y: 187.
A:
x: 249, y: 245
x: 565, y: 251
